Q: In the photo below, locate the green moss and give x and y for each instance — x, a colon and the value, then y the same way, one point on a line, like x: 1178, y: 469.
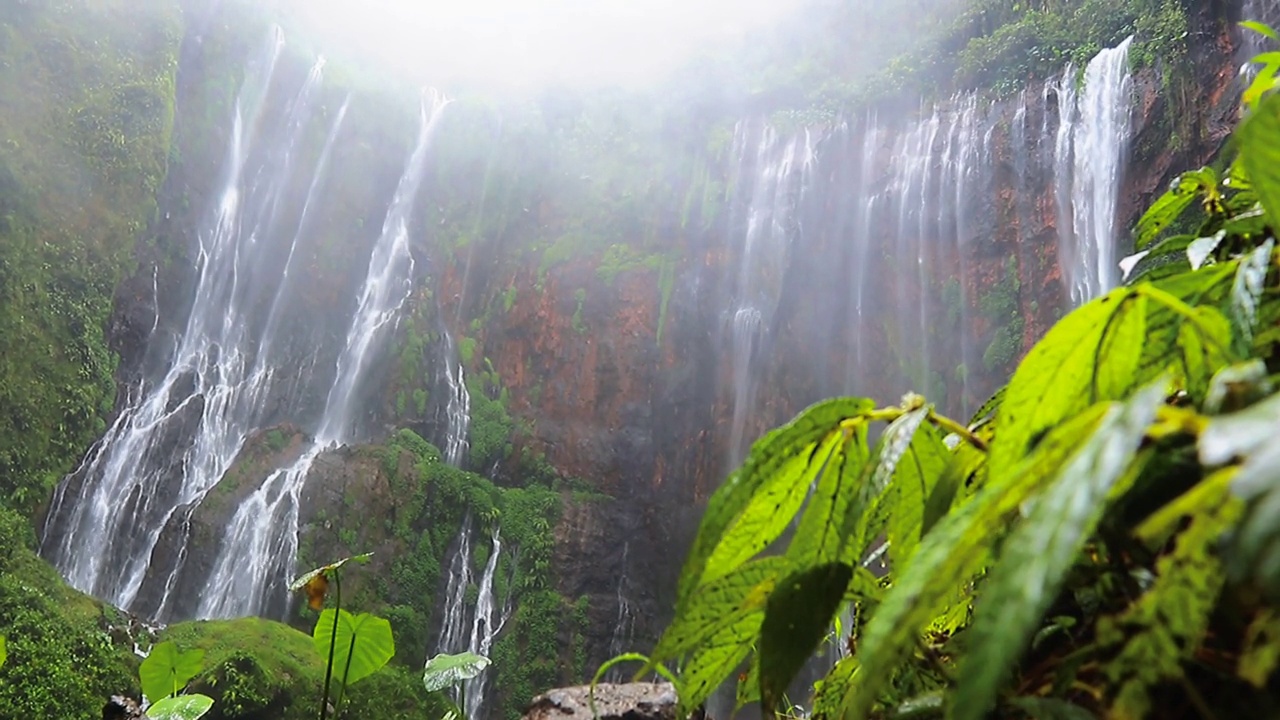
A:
x: 258, y: 668
x: 580, y: 297
x: 666, y: 284
x: 466, y: 349
x: 87, y: 109
x: 509, y: 298
x: 62, y: 663
x: 620, y: 258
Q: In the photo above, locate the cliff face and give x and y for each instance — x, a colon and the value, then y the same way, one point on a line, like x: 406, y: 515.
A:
x: 624, y: 306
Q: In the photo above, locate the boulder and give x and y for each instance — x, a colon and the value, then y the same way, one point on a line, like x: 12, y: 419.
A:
x: 613, y: 701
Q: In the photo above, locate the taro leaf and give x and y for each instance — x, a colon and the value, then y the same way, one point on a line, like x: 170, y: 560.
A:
x: 1166, y: 625
x: 821, y: 533
x: 1259, y: 138
x: 302, y: 581
x: 796, y: 619
x: 925, y: 461
x: 361, y: 645
x: 166, y: 670
x: 1200, y: 250
x: 947, y: 558
x: 745, y: 513
x: 1261, y: 654
x: 1168, y: 207
x: 1039, y: 708
x: 1042, y: 548
x: 181, y: 707
x: 445, y: 671
x: 1088, y: 356
x: 1246, y: 292
x: 720, y: 603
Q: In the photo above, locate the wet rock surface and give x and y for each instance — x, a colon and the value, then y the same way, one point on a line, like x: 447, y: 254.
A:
x: 613, y: 701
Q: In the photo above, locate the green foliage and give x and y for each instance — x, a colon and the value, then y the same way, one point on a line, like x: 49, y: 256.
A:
x: 579, y: 297
x: 445, y: 671
x: 1101, y: 541
x: 362, y: 643
x: 60, y: 659
x: 257, y: 668
x: 167, y: 670
x: 83, y: 156
x: 181, y: 707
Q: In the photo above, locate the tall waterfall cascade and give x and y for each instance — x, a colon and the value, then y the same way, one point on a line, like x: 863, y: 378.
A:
x: 1091, y: 147
x: 473, y: 629
x: 774, y: 172
x: 107, y: 518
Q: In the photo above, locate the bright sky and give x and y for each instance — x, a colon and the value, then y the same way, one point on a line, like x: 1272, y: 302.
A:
x: 528, y: 43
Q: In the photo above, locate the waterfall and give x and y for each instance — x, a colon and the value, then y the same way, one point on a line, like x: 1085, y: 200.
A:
x: 107, y: 517
x: 255, y: 559
x: 624, y: 627
x: 457, y: 407
x: 1090, y: 150
x: 771, y: 174
x: 452, y: 630
x: 1266, y: 12
x: 484, y: 628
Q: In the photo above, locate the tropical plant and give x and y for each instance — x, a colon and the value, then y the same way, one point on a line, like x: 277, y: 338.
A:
x: 1102, y: 538
x: 359, y: 645
x: 446, y: 671
x: 164, y: 673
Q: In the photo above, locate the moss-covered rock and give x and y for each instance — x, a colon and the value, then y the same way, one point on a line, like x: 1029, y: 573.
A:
x: 259, y: 669
x: 63, y: 662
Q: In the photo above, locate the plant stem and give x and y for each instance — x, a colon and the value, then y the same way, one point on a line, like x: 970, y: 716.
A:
x: 346, y: 672
x: 333, y: 637
x: 952, y: 426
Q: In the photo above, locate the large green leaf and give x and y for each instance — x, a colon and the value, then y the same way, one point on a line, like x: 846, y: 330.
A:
x: 165, y: 671
x: 720, y: 603
x: 1087, y: 357
x: 780, y: 466
x: 1167, y: 624
x: 830, y: 692
x: 919, y: 470
x: 796, y: 619
x: 869, y: 513
x: 362, y: 644
x: 1043, y: 547
x: 1168, y: 207
x: 820, y: 536
x: 1259, y: 139
x: 181, y: 707
x: 716, y: 660
x: 444, y: 671
x: 948, y: 558
x: 1246, y: 292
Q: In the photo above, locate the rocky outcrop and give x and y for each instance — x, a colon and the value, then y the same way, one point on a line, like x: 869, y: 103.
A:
x: 607, y: 701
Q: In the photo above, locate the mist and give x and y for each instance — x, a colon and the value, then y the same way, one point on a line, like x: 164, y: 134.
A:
x: 520, y: 45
